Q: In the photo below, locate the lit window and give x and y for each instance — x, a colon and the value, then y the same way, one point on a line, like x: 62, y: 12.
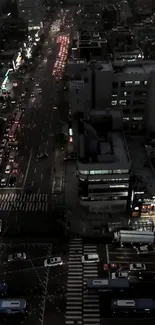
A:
x: 122, y: 102
x: 126, y: 118
x: 137, y: 82
x: 83, y: 172
x: 128, y: 82
x: 114, y: 102
x: 145, y: 82
x: 119, y: 186
x: 137, y: 118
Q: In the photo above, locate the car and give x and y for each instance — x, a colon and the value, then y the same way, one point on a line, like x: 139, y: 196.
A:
x: 53, y: 261
x: 37, y: 84
x: 12, y: 181
x: 90, y: 258
x: 137, y: 267
x: 54, y: 107
x: 16, y: 256
x: 3, y: 143
x: 42, y: 155
x: 32, y: 94
x: 115, y: 275
x: 8, y: 169
x: 3, y: 182
x: 108, y: 267
x: 39, y: 91
x: 144, y: 249
x: 15, y: 171
x: 7, y: 130
x: 6, y: 135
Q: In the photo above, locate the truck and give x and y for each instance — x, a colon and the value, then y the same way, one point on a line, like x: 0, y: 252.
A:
x: 133, y: 237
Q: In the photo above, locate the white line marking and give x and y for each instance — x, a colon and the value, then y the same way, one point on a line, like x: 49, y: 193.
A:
x: 129, y: 262
x: 107, y: 254
x: 27, y: 170
x: 11, y: 189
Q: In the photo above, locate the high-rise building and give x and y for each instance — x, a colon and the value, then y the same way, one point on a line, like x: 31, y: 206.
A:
x: 33, y: 11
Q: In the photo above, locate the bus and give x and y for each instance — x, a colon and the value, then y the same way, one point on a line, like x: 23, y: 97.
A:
x: 107, y: 285
x: 141, y: 305
x: 12, y: 132
x: 13, y: 306
x: 18, y: 117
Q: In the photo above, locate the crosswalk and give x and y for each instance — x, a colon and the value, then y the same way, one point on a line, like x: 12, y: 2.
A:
x: 81, y: 307
x: 91, y: 304
x: 23, y: 202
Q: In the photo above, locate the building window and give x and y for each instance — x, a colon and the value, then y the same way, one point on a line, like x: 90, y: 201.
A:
x: 126, y: 118
x: 128, y: 82
x: 114, y: 102
x: 114, y: 94
x: 83, y: 172
x: 122, y: 102
x: 137, y: 82
x: 120, y: 171
x: 137, y: 118
x: 100, y: 172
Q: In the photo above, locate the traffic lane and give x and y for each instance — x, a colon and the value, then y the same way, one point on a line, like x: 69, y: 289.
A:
x: 55, y: 310
x: 126, y: 321
x: 39, y: 176
x: 26, y: 282
x: 127, y: 255
x: 31, y: 318
x: 57, y: 280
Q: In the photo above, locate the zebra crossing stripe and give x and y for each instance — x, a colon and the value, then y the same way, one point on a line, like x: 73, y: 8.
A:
x: 23, y: 202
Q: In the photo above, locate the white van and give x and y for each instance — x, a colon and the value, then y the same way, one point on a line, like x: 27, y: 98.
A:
x: 90, y: 258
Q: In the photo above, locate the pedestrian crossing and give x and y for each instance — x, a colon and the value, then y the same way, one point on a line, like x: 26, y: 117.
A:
x: 23, y: 202
x: 91, y: 304
x: 81, y: 307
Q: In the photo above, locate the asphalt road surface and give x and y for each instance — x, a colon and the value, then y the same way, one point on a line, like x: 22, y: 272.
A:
x: 59, y: 293
x: 32, y: 198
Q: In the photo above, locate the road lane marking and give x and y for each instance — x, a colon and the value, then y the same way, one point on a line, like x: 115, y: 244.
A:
x: 127, y: 262
x: 107, y: 254
x: 27, y: 170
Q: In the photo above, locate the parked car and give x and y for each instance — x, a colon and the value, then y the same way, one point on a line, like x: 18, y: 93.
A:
x: 16, y: 256
x: 53, y: 261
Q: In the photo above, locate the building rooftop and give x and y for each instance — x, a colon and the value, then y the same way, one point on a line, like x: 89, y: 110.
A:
x: 103, y: 150
x: 135, y: 67
x: 141, y: 166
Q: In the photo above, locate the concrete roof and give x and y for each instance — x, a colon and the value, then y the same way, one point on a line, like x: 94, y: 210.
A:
x: 141, y: 165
